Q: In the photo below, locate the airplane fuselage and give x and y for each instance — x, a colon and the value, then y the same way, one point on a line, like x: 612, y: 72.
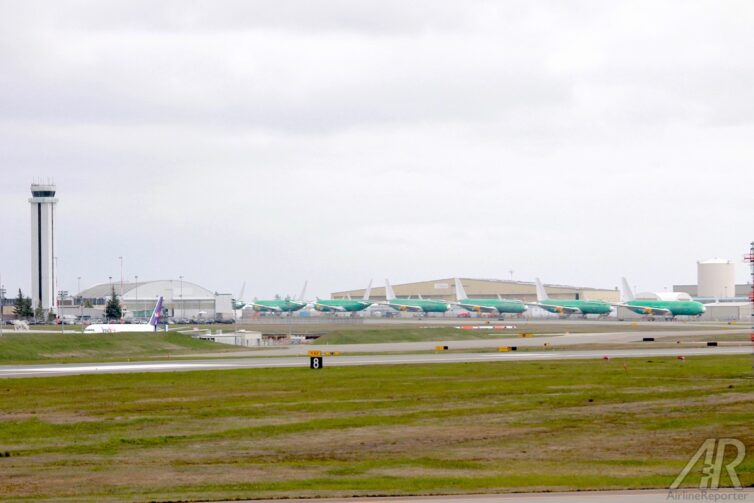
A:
x: 334, y: 305
x: 676, y: 307
x: 116, y: 328
x: 277, y: 306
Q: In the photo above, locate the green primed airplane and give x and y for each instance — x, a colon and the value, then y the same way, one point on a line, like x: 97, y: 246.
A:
x: 499, y: 305
x: 567, y: 307
x: 413, y: 305
x: 667, y: 308
x: 278, y: 305
x: 345, y: 305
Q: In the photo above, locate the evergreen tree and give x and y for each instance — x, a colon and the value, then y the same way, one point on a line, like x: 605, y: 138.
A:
x: 22, y: 306
x: 18, y: 305
x: 113, y: 309
x: 28, y: 310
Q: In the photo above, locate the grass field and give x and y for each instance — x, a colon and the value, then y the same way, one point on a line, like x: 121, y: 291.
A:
x: 444, y: 428
x: 49, y: 348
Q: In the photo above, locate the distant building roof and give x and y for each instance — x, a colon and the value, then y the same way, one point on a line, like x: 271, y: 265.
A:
x: 169, y: 288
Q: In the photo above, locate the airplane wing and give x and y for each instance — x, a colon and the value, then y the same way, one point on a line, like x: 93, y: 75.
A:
x: 555, y: 308
x: 325, y: 307
x: 646, y: 309
x: 403, y: 307
x: 475, y: 308
x: 261, y: 307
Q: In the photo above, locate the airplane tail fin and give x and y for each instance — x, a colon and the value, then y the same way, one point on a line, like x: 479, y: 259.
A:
x: 627, y: 293
x: 389, y: 294
x: 303, y: 291
x: 368, y: 291
x: 240, y: 294
x: 460, y: 292
x: 541, y: 293
x: 156, y: 314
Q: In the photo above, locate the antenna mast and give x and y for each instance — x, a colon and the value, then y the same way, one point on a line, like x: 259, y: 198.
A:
x: 750, y: 259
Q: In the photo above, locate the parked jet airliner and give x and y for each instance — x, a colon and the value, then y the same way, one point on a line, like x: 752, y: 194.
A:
x: 112, y: 328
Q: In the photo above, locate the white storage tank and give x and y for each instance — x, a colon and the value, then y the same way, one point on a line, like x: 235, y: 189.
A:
x: 716, y: 278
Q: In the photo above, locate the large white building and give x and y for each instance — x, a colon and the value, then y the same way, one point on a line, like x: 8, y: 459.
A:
x: 182, y: 299
x: 486, y: 289
x: 43, y: 203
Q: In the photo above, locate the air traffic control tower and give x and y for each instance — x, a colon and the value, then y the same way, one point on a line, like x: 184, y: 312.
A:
x: 43, y: 203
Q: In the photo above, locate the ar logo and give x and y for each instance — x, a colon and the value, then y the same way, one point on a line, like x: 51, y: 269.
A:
x: 713, y: 463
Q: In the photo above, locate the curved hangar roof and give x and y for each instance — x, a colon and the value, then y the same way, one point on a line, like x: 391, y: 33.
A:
x: 169, y: 288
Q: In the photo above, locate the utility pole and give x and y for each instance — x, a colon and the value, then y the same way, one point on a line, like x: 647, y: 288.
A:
x: 750, y: 259
x: 121, y: 276
x: 60, y: 312
x: 183, y: 310
x: 136, y: 282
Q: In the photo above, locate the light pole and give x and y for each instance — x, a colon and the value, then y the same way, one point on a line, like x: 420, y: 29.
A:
x: 136, y: 288
x: 112, y: 291
x: 183, y: 310
x: 121, y: 276
x: 61, y: 295
x: 81, y: 303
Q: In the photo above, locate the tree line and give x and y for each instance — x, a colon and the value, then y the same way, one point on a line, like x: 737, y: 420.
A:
x: 23, y: 310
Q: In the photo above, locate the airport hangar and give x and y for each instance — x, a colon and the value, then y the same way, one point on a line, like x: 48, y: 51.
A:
x: 485, y: 289
x: 181, y: 298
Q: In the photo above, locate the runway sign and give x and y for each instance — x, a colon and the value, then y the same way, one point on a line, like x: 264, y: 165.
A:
x: 316, y: 362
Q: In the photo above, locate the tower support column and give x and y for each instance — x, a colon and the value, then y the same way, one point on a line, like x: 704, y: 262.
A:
x: 43, y: 286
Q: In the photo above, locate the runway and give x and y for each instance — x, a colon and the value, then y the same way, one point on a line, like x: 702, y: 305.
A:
x: 9, y: 371
x: 495, y: 339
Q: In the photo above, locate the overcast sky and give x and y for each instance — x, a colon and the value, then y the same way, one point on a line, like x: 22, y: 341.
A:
x: 338, y: 141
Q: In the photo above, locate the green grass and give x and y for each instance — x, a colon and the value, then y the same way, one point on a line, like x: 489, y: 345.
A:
x: 382, y: 430
x: 63, y: 348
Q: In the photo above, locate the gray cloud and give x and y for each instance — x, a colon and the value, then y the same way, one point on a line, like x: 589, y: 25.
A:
x: 337, y: 141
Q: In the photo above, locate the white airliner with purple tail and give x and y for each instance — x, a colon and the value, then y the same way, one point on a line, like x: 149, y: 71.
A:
x: 112, y: 328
